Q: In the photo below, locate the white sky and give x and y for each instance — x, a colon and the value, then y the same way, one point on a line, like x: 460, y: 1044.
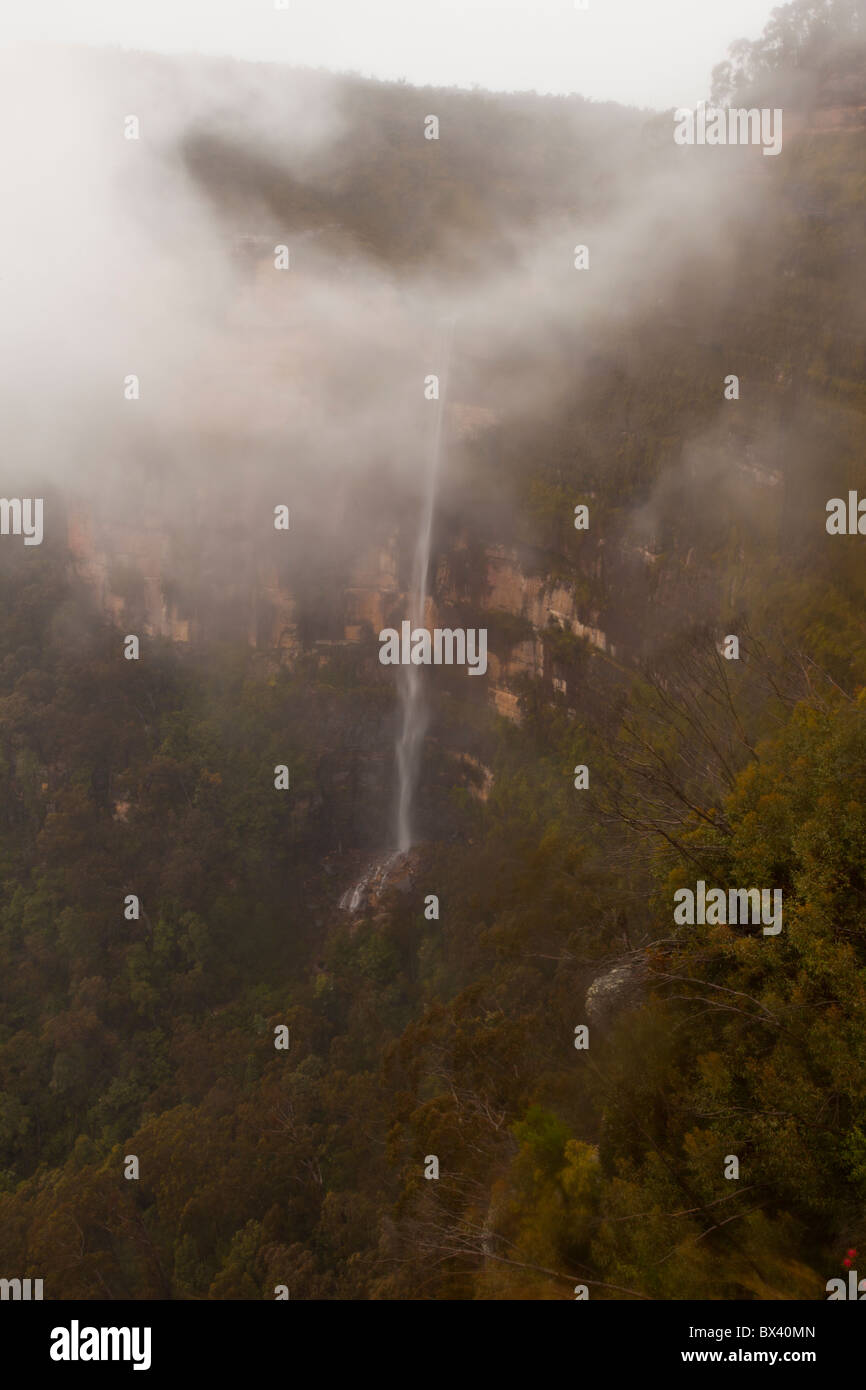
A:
x: 644, y: 52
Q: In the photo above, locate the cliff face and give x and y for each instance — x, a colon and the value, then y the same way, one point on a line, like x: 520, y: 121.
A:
x: 128, y: 571
x: 124, y: 570
x: 538, y: 603
x: 617, y: 590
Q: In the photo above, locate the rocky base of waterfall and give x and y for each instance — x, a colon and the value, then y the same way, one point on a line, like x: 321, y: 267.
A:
x: 390, y: 871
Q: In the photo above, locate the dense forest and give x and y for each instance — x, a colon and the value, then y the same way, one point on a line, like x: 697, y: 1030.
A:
x: 151, y: 1032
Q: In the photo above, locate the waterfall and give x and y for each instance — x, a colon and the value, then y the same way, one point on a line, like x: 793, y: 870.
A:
x: 415, y: 711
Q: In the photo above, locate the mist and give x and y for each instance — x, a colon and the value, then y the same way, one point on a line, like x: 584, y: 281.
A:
x: 304, y: 386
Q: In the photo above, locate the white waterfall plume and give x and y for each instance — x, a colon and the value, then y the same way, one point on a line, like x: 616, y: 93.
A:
x: 415, y: 708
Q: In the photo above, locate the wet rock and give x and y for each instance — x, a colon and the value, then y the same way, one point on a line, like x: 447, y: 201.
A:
x: 395, y: 870
x: 615, y: 990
